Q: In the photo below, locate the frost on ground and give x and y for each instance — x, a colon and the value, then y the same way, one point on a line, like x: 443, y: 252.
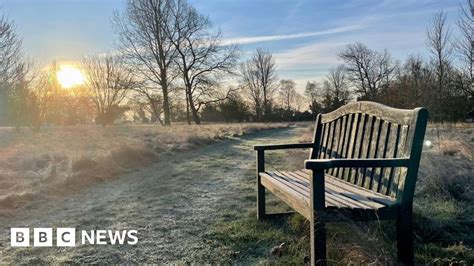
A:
x: 200, y: 207
x: 172, y: 203
x: 59, y: 160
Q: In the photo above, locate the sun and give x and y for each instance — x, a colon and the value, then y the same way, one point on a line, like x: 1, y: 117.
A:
x: 69, y: 76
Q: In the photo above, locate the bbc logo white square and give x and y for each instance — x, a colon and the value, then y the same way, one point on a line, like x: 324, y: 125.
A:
x: 20, y: 237
x: 43, y: 237
x: 66, y: 237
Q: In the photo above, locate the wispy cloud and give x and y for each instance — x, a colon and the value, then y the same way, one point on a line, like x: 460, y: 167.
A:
x: 271, y: 38
x: 378, y: 5
x: 309, y: 56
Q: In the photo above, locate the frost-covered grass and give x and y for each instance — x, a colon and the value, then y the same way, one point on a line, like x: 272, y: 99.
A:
x: 59, y: 160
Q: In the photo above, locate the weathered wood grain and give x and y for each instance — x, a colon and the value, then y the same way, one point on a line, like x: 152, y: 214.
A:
x: 398, y: 116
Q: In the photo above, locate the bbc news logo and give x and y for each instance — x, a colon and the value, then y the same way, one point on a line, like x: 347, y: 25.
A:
x: 66, y: 237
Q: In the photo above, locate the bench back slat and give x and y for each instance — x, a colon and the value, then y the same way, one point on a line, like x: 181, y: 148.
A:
x: 372, y: 130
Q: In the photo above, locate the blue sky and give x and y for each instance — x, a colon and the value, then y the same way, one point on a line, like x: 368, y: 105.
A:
x: 304, y: 35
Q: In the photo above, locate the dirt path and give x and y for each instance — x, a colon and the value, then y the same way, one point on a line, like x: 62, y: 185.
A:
x: 171, y: 204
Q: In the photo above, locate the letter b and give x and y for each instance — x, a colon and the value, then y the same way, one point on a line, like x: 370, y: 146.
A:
x: 20, y: 237
x: 43, y: 237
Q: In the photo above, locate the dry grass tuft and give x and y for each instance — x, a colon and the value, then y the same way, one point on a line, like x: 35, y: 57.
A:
x: 454, y: 147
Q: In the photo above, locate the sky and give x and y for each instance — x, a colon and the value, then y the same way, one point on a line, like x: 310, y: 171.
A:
x: 305, y: 36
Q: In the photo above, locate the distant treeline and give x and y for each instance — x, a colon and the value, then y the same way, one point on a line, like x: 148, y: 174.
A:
x: 172, y: 65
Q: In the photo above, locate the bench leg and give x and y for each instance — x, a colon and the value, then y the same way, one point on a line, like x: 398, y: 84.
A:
x: 260, y: 201
x: 405, y: 237
x: 260, y: 188
x: 318, y: 241
x: 318, y: 218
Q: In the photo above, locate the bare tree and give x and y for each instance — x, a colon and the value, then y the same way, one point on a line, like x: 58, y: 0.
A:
x: 13, y: 72
x: 338, y: 87
x: 313, y: 93
x: 370, y: 71
x: 42, y: 99
x: 464, y: 46
x: 439, y: 45
x: 250, y: 86
x: 201, y: 57
x: 287, y: 92
x: 12, y: 64
x: 146, y: 44
x: 259, y: 77
x: 413, y: 86
x: 299, y: 102
x: 267, y: 76
x: 108, y: 80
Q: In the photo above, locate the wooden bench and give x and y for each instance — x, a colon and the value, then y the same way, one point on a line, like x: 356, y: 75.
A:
x: 363, y: 163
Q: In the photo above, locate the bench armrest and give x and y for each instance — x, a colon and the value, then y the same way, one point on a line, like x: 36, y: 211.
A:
x: 283, y: 146
x: 319, y: 164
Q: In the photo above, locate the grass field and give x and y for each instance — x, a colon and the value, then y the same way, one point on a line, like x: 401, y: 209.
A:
x: 220, y: 225
x: 59, y: 160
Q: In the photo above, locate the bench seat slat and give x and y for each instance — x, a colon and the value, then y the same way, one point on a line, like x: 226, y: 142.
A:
x: 336, y: 194
x: 293, y: 188
x: 371, y: 195
x: 302, y: 188
x: 358, y: 194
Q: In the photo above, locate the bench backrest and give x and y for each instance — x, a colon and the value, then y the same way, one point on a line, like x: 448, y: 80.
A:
x: 372, y: 130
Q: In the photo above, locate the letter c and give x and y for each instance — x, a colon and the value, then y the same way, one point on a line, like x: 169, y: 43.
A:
x: 62, y: 237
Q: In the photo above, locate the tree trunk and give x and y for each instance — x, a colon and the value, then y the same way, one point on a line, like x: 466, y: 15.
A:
x: 196, y: 118
x: 188, y: 117
x: 166, y: 105
x: 265, y: 105
x: 195, y: 114
x: 257, y: 111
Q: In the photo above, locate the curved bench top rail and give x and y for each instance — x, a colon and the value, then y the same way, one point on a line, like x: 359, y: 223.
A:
x: 390, y: 114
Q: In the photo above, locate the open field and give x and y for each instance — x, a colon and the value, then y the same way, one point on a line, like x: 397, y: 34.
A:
x: 199, y: 206
x: 60, y: 160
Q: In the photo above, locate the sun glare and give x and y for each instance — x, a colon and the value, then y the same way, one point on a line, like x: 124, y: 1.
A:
x: 69, y: 76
